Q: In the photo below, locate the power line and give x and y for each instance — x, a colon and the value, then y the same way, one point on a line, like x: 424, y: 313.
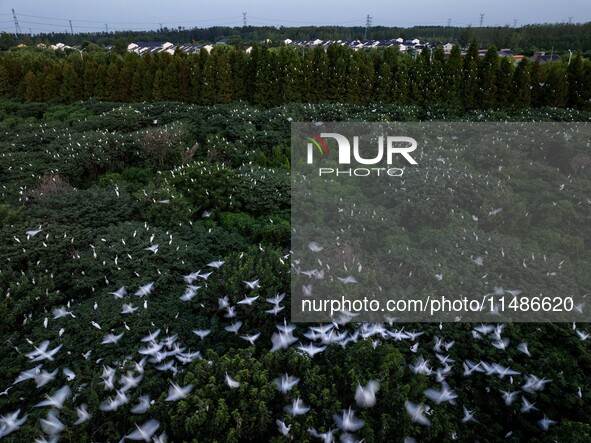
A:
x: 308, y: 23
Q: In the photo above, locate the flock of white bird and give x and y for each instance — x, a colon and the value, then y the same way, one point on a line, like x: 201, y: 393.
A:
x: 167, y: 353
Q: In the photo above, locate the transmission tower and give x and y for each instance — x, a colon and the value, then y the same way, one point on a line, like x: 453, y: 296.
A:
x: 244, y: 19
x: 71, y: 28
x: 17, y: 28
x: 368, y: 20
x: 481, y: 19
x: 448, y: 22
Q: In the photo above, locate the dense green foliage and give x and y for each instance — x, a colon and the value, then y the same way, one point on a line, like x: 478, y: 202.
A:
x: 212, y: 183
x: 271, y: 77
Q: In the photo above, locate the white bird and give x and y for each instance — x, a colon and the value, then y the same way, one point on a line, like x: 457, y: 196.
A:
x: 11, y: 423
x: 143, y: 405
x: 310, y: 349
x: 501, y: 344
x: 446, y: 394
x: 145, y: 431
x: 152, y: 336
x: 216, y: 264
x: 347, y: 280
x: 523, y: 348
x: 83, y: 414
x: 119, y: 293
x: 57, y: 399
x: 152, y: 248
x: 62, y: 312
x: 33, y: 232
x: 347, y: 421
x: 315, y: 246
x: 252, y: 284
x: 365, y: 396
x: 145, y: 290
x: 5, y: 392
x: 275, y: 310
x: 282, y: 340
x: 223, y: 302
x: 534, y: 384
x: 201, y: 333
x: 128, y: 308
x: 234, y: 327
x: 297, y: 407
x: 111, y: 338
x: 230, y: 312
x: 52, y: 425
x: 468, y: 416
x: 527, y: 406
x: 251, y: 338
x: 41, y: 352
x: 175, y: 392
x: 286, y: 382
x: 248, y: 300
x: 233, y: 384
x: 190, y: 293
x: 326, y: 437
x: 417, y: 413
x: 545, y: 423
x: 283, y: 429
x: 277, y: 299
x: 28, y: 374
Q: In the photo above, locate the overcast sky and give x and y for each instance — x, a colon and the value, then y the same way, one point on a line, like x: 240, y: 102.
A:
x: 88, y: 16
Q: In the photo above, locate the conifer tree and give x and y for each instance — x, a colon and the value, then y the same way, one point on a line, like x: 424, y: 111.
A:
x: 503, y: 80
x: 30, y: 86
x: 89, y: 77
x: 319, y: 74
x: 537, y: 84
x: 4, y: 81
x: 521, y: 84
x: 223, y: 81
x: 112, y: 81
x: 575, y: 81
x: 470, y: 85
x: 401, y: 83
x: 292, y: 91
x: 487, y: 74
x: 556, y: 86
x: 70, y: 88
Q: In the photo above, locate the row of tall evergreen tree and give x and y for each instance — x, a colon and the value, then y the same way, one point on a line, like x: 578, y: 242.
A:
x: 274, y: 76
